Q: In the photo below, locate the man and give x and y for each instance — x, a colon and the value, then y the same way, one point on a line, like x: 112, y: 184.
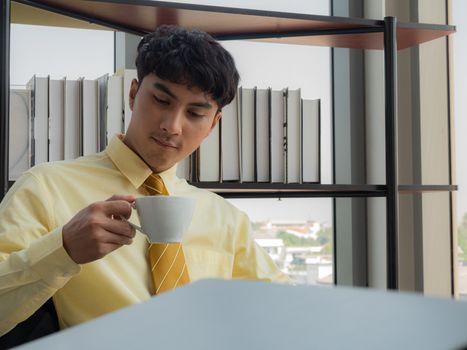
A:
x: 61, y: 228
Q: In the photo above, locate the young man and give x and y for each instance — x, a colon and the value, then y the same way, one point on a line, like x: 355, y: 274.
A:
x: 61, y: 233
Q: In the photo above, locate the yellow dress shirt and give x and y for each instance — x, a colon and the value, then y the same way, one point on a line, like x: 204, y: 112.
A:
x: 34, y: 265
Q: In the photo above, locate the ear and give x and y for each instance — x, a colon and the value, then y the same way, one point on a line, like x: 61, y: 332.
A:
x: 133, y: 90
x: 216, y: 119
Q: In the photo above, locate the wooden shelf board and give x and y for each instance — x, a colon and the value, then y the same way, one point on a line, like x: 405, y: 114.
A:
x: 143, y: 16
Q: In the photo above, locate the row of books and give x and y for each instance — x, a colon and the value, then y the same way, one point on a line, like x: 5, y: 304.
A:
x: 60, y: 119
x: 264, y: 135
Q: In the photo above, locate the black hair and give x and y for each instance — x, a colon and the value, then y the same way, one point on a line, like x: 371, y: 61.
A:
x: 190, y: 57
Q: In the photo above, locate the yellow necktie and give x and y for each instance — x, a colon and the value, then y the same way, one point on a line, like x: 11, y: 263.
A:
x: 166, y: 260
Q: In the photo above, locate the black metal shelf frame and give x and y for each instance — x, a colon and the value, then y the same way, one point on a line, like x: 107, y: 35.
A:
x: 390, y: 190
x: 392, y: 195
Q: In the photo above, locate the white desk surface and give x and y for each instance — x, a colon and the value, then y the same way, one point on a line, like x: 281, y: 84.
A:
x: 218, y: 314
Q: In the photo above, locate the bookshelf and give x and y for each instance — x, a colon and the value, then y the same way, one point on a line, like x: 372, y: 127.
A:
x: 227, y: 23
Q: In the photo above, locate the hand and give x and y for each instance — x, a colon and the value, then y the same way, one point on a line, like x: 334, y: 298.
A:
x: 97, y: 230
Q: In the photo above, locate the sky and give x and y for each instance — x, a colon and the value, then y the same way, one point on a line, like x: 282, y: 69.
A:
x: 84, y: 53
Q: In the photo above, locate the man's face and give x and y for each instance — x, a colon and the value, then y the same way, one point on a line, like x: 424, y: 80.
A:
x: 169, y: 121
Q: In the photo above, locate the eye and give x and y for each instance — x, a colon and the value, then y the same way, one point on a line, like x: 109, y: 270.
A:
x: 161, y: 100
x: 195, y: 115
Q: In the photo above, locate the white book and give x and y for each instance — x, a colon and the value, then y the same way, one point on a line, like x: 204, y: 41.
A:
x: 114, y: 106
x: 72, y: 122
x: 209, y: 157
x: 293, y: 147
x: 40, y: 119
x: 56, y: 119
x: 230, y: 141
x: 102, y: 111
x: 277, y: 136
x: 90, y: 137
x: 262, y: 135
x: 311, y: 116
x: 128, y: 76
x: 247, y: 135
x: 183, y: 168
x: 19, y: 131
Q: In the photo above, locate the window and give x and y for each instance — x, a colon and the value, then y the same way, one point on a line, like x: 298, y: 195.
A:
x: 459, y: 8
x: 297, y: 233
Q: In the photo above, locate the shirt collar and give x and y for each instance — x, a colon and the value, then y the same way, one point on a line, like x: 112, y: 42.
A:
x: 131, y: 165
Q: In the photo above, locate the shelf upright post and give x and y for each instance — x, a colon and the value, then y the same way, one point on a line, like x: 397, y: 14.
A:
x: 392, y: 199
x: 4, y: 94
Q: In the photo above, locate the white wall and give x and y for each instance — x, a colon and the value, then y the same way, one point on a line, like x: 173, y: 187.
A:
x: 59, y: 52
x: 460, y: 101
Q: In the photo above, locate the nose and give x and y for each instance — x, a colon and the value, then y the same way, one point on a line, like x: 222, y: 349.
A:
x: 172, y: 122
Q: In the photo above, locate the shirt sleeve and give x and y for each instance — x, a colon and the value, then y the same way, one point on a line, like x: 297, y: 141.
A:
x: 251, y: 261
x: 33, y: 261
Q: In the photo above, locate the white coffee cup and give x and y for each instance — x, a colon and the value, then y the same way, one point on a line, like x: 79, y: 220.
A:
x: 164, y: 219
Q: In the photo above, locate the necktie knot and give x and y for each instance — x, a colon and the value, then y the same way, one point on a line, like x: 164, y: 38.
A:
x: 155, y: 185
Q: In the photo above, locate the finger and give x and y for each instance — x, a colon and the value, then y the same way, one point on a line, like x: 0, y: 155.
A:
x: 122, y: 197
x: 116, y: 208
x: 119, y: 227
x: 109, y: 237
x: 119, y: 239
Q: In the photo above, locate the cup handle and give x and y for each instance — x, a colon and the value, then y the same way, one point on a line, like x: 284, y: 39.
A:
x: 136, y: 227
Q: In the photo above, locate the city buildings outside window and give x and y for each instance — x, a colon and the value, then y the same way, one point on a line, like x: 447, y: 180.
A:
x: 297, y: 233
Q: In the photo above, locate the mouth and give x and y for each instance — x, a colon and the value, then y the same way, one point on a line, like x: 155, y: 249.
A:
x: 164, y: 144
